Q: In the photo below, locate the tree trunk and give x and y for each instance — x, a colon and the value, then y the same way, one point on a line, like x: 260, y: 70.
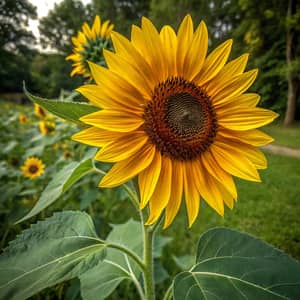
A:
x: 290, y: 54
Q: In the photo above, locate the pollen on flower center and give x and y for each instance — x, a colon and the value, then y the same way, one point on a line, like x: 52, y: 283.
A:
x: 33, y: 169
x: 184, y: 113
x: 180, y: 120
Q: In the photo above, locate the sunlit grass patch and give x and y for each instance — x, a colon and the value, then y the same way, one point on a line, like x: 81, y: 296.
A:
x: 285, y: 136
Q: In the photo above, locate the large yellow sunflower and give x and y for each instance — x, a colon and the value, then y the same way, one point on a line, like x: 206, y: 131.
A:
x: 33, y: 167
x: 175, y: 117
x: 88, y: 45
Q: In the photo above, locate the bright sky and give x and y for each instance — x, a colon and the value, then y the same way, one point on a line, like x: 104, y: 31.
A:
x: 43, y: 6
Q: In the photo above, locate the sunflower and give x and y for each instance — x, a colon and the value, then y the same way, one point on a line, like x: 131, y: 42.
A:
x: 176, y: 118
x: 39, y: 111
x: 88, y: 45
x: 23, y: 119
x: 67, y: 154
x: 33, y: 167
x: 46, y: 127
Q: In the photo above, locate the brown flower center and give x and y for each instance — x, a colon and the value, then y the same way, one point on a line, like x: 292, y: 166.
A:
x: 42, y: 112
x: 180, y: 120
x: 33, y: 169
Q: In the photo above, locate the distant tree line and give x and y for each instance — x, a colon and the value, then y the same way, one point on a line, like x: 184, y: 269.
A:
x: 267, y: 29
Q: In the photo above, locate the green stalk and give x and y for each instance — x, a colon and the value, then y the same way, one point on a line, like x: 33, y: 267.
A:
x: 127, y: 251
x: 148, y: 261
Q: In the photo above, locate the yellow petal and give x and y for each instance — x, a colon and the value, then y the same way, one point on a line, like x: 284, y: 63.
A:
x: 253, y: 137
x: 255, y: 156
x: 104, y: 28
x: 176, y: 193
x: 218, y: 173
x: 208, y: 188
x: 191, y: 193
x: 227, y: 197
x: 162, y: 192
x: 96, y: 26
x: 234, y: 162
x: 196, y: 52
x: 95, y: 136
x: 104, y: 98
x: 137, y: 40
x: 109, y: 31
x: 243, y: 118
x: 184, y: 37
x: 114, y: 85
x: 169, y: 41
x: 252, y: 153
x: 233, y: 68
x: 76, y: 70
x: 148, y: 180
x: 235, y: 86
x: 148, y: 43
x: 71, y: 57
x: 249, y: 100
x: 214, y: 63
x: 114, y: 120
x: 127, y: 71
x: 123, y: 47
x: 86, y: 30
x: 123, y: 147
x: 124, y: 170
x: 155, y: 49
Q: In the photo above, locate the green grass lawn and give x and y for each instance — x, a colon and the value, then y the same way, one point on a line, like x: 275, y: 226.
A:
x: 285, y: 136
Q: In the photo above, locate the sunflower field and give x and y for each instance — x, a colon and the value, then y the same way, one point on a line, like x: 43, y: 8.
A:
x: 150, y: 150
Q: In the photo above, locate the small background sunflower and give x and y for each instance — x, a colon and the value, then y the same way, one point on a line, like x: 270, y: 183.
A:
x: 88, y: 46
x: 33, y: 168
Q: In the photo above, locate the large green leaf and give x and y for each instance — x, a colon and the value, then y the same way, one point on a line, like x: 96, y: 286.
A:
x: 61, y: 182
x: 51, y: 251
x: 99, y: 282
x: 234, y: 265
x: 70, y: 111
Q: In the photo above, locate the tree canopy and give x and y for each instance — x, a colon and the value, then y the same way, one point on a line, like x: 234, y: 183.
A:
x: 62, y: 22
x: 16, y: 42
x: 14, y: 18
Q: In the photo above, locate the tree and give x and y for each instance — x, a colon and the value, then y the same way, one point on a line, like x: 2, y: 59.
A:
x: 292, y: 59
x: 121, y: 13
x: 61, y: 23
x: 270, y: 33
x: 50, y: 74
x: 219, y: 16
x: 14, y: 17
x: 16, y: 42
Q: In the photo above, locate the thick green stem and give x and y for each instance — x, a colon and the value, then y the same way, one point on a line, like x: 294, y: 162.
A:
x: 148, y: 261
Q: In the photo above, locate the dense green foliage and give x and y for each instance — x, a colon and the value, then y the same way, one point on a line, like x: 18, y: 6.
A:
x: 15, y: 43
